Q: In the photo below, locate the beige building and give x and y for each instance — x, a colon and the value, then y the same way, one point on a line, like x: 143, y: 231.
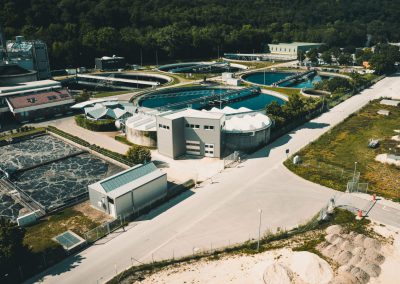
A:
x: 292, y: 49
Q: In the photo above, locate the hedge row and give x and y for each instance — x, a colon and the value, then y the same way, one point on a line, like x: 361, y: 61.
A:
x: 95, y: 125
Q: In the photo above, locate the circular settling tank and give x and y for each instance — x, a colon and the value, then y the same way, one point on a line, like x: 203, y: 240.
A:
x: 201, y: 67
x: 271, y: 78
x: 175, y: 98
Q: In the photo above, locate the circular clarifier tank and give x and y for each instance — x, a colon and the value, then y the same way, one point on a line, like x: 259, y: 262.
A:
x: 199, y: 98
x: 202, y: 67
x: 271, y: 78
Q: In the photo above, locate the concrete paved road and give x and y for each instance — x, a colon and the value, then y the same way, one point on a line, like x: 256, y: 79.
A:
x: 224, y: 211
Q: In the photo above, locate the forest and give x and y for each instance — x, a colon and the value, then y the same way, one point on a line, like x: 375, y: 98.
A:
x: 78, y: 30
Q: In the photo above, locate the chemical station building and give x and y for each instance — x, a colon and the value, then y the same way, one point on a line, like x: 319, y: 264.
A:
x: 209, y: 133
x: 190, y: 132
x: 129, y: 191
x: 292, y: 49
x: 110, y: 63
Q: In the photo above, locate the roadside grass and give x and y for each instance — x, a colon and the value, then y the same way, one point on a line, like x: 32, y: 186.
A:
x: 14, y: 134
x: 305, y: 237
x: 330, y: 160
x: 39, y: 236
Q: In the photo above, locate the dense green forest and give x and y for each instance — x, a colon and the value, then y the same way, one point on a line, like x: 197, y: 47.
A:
x: 78, y: 30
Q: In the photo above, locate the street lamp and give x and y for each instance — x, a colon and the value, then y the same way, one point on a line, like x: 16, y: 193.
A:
x: 259, y: 230
x: 355, y: 168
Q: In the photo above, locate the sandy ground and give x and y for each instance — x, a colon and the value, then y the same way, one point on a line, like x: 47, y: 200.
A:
x: 250, y: 269
x: 388, y: 159
x: 283, y: 266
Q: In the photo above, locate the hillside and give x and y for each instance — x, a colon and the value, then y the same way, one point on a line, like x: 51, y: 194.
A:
x: 77, y: 30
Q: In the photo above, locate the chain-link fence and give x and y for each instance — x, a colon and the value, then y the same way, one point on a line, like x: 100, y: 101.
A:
x: 232, y: 159
x: 104, y: 229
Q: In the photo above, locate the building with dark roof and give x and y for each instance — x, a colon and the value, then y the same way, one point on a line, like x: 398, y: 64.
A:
x: 129, y: 191
x: 13, y: 74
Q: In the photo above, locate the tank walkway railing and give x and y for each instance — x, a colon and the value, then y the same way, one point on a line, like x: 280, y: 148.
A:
x: 294, y: 77
x: 48, y: 162
x: 234, y: 94
x: 22, y: 197
x: 201, y: 67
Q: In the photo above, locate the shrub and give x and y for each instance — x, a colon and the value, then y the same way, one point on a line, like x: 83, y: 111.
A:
x: 95, y: 125
x: 138, y: 154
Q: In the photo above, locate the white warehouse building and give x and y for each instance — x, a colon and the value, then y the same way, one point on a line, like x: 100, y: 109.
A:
x: 129, y: 191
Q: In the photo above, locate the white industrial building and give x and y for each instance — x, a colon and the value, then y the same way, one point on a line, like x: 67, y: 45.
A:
x: 129, y: 191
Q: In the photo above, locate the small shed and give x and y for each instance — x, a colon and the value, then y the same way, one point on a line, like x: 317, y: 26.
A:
x: 387, y: 102
x: 384, y: 112
x: 129, y: 191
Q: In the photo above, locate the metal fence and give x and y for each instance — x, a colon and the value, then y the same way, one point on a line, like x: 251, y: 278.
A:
x: 232, y: 159
x: 104, y: 229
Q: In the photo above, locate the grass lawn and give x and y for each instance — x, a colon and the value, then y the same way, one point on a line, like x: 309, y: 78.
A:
x: 39, y: 236
x: 329, y: 161
x: 287, y: 91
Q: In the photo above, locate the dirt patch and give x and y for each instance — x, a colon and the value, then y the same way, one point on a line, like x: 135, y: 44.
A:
x: 92, y: 213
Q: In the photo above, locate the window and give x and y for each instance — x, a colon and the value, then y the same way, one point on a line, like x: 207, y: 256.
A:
x: 163, y: 126
x: 32, y: 100
x: 208, y: 127
x: 187, y: 125
x: 52, y: 98
x: 196, y: 126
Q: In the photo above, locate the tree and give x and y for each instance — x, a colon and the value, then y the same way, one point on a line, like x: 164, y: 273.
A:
x: 345, y: 59
x: 312, y: 55
x: 274, y: 108
x: 301, y: 56
x: 138, y: 154
x: 326, y: 56
x: 384, y: 58
x: 12, y: 250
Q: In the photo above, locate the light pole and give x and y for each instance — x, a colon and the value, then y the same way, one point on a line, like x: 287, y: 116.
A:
x: 259, y: 230
x: 355, y: 168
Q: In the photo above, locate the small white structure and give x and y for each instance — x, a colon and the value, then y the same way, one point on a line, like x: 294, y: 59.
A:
x: 226, y: 76
x: 389, y: 102
x: 233, y: 82
x: 383, y: 112
x: 129, y: 191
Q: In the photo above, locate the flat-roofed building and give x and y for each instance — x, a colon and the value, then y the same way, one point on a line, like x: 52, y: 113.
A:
x: 110, y: 63
x: 292, y: 49
x: 190, y: 132
x: 129, y: 191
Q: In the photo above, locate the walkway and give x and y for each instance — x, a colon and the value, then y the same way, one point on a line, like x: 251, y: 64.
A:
x: 224, y: 211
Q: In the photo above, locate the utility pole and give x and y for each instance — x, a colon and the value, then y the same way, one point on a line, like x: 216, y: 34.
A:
x: 141, y: 57
x: 156, y: 57
x: 259, y: 230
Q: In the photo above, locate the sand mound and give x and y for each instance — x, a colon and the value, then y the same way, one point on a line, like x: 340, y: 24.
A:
x: 278, y: 273
x: 360, y: 274
x: 334, y: 230
x: 373, y: 256
x: 358, y: 251
x: 372, y: 243
x: 372, y: 269
x: 355, y: 260
x: 339, y: 241
x: 344, y: 257
x: 347, y: 246
x: 330, y: 251
x: 310, y: 267
x: 345, y: 278
x: 330, y: 238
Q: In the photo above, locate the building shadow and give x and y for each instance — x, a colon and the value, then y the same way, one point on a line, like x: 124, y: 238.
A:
x: 57, y: 269
x: 160, y: 164
x: 170, y: 203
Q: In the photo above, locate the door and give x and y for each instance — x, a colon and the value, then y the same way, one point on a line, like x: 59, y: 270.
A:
x: 209, y: 150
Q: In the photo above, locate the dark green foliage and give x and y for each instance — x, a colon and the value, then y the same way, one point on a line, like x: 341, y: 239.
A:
x: 138, y: 154
x: 78, y: 30
x: 384, y: 58
x: 335, y: 85
x: 12, y: 250
x: 95, y: 125
x: 296, y: 108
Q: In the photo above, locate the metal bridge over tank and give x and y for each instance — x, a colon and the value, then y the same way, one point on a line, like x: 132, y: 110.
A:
x: 214, y: 99
x: 202, y: 68
x: 111, y: 81
x: 296, y: 77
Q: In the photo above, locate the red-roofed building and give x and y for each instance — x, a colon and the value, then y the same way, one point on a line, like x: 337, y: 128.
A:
x: 26, y: 107
x: 34, y: 100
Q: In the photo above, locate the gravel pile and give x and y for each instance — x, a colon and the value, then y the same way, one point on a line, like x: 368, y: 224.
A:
x: 359, y: 256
